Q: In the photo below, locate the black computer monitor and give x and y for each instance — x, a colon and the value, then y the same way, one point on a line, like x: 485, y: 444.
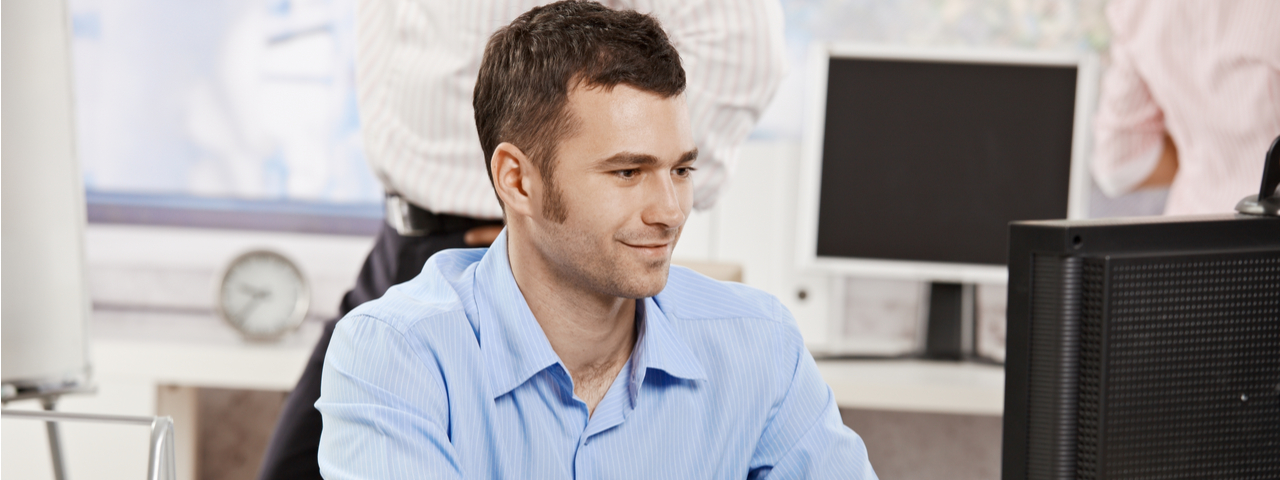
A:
x: 1143, y: 348
x: 917, y: 160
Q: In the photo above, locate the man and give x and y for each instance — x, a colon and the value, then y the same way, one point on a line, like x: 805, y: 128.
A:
x: 571, y: 348
x: 1191, y: 100
x: 416, y: 64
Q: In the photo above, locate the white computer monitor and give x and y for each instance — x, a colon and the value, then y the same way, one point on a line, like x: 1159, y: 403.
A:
x: 914, y: 160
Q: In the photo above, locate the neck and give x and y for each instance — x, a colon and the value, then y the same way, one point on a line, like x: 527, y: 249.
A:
x: 592, y: 333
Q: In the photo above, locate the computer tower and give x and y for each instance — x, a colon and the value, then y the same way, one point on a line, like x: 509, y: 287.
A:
x: 1143, y: 348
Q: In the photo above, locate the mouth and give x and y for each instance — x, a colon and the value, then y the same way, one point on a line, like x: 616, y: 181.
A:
x: 650, y: 248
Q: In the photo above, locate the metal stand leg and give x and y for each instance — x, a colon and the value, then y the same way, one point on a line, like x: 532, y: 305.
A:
x: 161, y: 464
x: 950, y: 333
x: 55, y: 442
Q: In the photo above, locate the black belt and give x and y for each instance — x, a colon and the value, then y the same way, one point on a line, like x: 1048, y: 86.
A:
x: 413, y: 221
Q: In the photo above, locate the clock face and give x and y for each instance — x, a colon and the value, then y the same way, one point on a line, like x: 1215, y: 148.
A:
x: 263, y: 295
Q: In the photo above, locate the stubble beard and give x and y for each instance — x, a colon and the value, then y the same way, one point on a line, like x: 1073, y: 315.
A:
x: 580, y: 260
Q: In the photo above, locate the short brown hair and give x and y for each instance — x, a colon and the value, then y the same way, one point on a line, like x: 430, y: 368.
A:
x: 522, y: 91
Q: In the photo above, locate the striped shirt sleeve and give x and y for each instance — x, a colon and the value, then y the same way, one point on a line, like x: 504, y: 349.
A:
x: 734, y: 60
x: 805, y: 436
x: 384, y: 408
x: 1129, y: 127
x: 1207, y: 74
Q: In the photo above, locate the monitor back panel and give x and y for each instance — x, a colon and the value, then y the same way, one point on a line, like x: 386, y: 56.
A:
x: 1146, y: 350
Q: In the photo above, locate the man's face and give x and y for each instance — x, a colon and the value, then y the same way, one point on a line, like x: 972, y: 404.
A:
x: 623, y: 181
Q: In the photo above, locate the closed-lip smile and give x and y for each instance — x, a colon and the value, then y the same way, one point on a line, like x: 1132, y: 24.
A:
x: 649, y: 246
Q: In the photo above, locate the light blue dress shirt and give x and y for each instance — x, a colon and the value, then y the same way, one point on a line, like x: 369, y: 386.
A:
x: 450, y: 376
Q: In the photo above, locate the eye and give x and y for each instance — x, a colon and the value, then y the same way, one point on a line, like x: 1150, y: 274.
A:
x: 683, y: 172
x: 627, y: 173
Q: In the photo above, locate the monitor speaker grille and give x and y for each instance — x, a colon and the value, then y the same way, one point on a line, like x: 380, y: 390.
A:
x: 1187, y: 351
x: 1091, y: 299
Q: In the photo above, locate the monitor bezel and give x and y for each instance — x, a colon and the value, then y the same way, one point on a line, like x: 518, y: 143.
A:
x: 811, y: 154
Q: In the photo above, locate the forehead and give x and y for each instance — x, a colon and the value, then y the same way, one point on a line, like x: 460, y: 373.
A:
x: 627, y: 119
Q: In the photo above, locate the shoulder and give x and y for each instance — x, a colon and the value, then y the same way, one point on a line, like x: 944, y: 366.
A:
x: 743, y: 338
x: 692, y: 296
x: 442, y: 292
x: 732, y: 320
x: 406, y: 343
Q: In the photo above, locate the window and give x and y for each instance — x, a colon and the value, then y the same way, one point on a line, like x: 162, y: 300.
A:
x: 221, y: 113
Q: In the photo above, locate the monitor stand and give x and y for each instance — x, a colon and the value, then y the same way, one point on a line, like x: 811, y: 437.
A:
x: 949, y: 331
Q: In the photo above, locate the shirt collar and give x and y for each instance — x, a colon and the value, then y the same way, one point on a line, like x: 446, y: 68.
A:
x: 516, y: 348
x: 659, y: 348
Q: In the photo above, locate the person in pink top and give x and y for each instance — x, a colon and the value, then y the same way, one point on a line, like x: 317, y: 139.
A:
x: 1190, y: 101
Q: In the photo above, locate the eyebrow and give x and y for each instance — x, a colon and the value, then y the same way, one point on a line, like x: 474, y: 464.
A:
x: 632, y: 160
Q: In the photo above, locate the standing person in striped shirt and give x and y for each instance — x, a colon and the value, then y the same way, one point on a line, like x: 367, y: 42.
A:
x: 1191, y: 100
x: 571, y: 348
x: 417, y: 62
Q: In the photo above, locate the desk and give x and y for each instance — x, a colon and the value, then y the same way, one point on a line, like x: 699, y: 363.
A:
x: 916, y: 386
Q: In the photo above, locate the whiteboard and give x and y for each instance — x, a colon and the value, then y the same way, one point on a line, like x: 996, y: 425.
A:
x: 45, y: 304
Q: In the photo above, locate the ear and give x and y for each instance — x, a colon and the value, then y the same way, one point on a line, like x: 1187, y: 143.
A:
x: 514, y: 178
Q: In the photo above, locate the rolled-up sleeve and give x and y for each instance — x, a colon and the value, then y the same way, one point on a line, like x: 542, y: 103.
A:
x: 1129, y: 127
x: 384, y: 408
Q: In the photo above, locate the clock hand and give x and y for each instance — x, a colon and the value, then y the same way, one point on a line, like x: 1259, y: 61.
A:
x: 255, y: 293
x: 248, y: 307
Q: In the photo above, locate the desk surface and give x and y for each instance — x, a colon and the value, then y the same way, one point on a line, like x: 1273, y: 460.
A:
x: 916, y: 386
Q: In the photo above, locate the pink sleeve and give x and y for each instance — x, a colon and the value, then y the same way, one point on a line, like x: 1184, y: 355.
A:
x: 1129, y: 126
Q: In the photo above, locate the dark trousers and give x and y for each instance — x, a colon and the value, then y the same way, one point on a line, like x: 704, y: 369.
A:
x: 296, y: 441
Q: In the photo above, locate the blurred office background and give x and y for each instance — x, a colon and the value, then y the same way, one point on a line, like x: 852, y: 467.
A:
x: 205, y: 129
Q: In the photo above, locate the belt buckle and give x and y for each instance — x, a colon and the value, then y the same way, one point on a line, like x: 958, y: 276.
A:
x: 400, y: 216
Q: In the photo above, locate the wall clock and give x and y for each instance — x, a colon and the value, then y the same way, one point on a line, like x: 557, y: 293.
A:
x: 263, y: 295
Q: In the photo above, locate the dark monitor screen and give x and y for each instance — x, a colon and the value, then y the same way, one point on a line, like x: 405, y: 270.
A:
x: 930, y: 161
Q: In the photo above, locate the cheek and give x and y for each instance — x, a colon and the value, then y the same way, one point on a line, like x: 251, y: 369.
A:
x: 596, y: 205
x: 685, y: 191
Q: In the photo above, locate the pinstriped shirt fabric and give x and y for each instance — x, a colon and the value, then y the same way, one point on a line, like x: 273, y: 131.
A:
x: 1206, y: 72
x: 450, y: 376
x: 417, y: 62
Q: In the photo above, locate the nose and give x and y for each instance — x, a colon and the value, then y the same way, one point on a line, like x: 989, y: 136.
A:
x: 667, y: 201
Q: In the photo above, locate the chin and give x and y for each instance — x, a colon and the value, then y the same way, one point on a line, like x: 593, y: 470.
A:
x: 652, y: 289
x: 644, y: 282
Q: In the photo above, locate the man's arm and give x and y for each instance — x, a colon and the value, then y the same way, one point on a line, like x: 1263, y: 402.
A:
x: 1131, y: 147
x: 733, y: 53
x: 805, y: 436
x: 385, y: 410
x: 1166, y: 167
